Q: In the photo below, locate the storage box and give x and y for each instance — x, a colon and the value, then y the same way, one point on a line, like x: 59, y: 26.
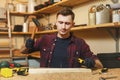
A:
x: 110, y: 60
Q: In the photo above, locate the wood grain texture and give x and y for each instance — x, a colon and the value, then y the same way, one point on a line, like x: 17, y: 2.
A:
x: 67, y: 76
x: 57, y: 70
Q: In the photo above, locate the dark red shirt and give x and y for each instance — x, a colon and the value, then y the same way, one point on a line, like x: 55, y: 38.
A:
x: 77, y: 49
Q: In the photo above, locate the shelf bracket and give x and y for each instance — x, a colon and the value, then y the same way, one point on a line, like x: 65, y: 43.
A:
x: 115, y: 35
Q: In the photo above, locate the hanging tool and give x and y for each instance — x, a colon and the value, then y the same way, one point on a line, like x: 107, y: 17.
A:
x: 37, y: 25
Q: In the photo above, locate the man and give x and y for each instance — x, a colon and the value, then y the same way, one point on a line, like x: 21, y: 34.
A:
x: 63, y: 49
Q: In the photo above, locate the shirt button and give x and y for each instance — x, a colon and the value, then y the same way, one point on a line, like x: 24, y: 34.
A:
x: 49, y: 61
x: 50, y: 52
x: 77, y: 52
x: 55, y: 39
x: 44, y: 49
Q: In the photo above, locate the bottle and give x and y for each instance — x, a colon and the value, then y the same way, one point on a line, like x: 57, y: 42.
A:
x: 92, y: 15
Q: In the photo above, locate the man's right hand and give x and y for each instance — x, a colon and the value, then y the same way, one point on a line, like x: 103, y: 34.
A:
x: 29, y: 43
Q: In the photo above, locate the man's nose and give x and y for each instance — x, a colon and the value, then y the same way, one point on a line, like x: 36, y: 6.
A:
x: 63, y: 25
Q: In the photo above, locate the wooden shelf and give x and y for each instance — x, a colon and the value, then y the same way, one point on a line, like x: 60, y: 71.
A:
x: 16, y: 33
x: 20, y: 13
x: 57, y: 6
x: 6, y: 53
x: 106, y: 25
x: 52, y: 8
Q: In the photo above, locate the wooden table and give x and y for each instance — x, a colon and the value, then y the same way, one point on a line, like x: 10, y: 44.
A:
x: 66, y: 75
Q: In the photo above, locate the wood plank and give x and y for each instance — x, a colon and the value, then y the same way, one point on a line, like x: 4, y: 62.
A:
x: 4, y: 44
x: 105, y: 25
x: 57, y: 70
x: 16, y: 53
x: 55, y: 7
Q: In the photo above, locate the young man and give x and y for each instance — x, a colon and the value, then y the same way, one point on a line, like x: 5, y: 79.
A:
x: 63, y: 49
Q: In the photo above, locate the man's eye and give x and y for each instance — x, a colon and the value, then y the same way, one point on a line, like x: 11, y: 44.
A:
x: 60, y: 22
x: 67, y: 23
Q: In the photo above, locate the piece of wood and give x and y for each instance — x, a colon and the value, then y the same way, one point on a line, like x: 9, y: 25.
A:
x: 4, y: 44
x: 57, y: 70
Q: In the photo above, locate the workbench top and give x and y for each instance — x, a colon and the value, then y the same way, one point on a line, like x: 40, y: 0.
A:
x: 64, y: 74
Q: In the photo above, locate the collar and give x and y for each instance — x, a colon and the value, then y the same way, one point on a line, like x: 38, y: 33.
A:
x: 54, y: 39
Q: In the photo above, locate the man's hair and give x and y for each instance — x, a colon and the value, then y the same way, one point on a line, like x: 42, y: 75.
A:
x: 65, y: 12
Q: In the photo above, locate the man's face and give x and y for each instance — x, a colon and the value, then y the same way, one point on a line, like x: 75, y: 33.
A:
x: 64, y: 24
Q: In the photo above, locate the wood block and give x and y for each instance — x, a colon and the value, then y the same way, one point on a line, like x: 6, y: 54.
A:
x: 57, y: 70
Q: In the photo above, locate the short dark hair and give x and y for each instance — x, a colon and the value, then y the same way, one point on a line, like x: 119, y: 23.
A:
x: 65, y: 12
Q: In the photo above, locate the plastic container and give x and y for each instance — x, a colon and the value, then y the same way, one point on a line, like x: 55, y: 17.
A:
x: 25, y: 27
x: 102, y: 15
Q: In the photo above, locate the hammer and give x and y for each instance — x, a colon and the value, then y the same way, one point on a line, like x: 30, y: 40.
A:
x: 23, y: 49
x: 37, y: 25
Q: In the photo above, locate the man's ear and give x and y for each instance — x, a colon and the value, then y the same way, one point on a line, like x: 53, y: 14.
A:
x: 55, y: 25
x: 73, y: 24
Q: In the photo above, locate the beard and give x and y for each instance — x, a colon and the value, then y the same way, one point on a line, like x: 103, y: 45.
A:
x: 63, y: 33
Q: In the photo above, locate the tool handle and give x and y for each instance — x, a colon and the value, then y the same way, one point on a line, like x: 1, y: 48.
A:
x: 37, y: 25
x: 33, y: 33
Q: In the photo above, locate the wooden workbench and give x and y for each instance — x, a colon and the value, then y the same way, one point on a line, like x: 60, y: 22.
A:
x: 66, y: 75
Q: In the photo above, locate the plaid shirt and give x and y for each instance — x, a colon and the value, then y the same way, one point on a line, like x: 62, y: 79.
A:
x: 77, y: 49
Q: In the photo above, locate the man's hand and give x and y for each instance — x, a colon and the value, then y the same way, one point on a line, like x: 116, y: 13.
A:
x: 29, y: 43
x: 88, y: 62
